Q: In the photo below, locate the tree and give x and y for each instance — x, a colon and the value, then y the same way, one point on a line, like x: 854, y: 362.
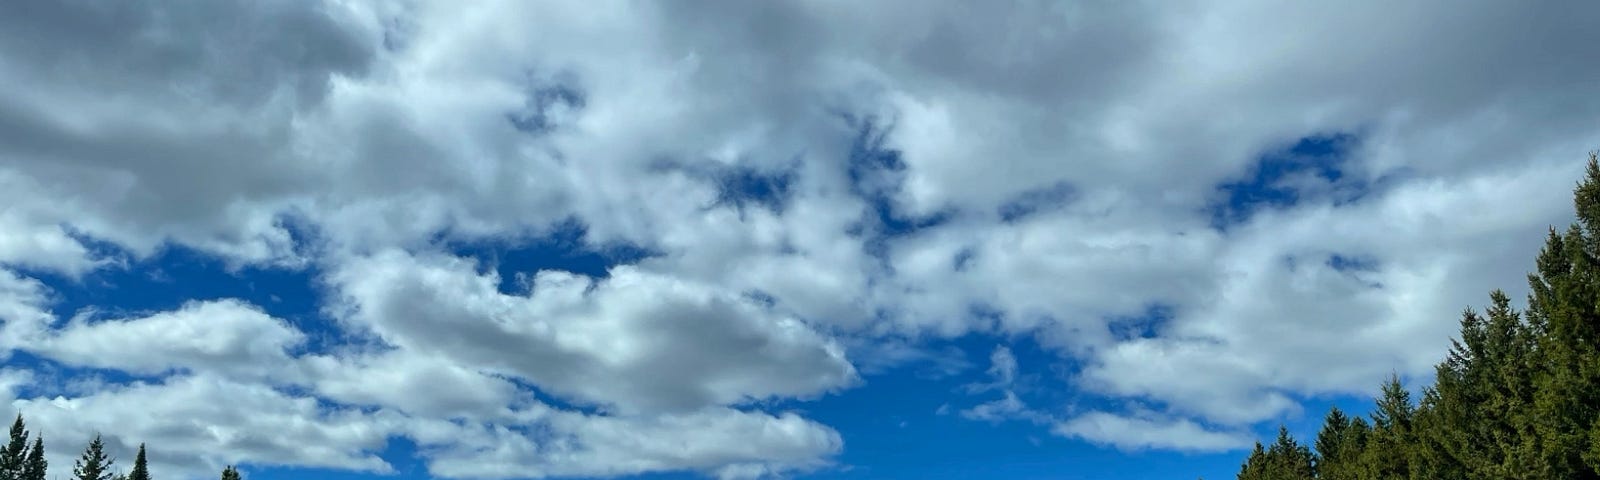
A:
x: 1389, y: 447
x: 1255, y: 465
x: 14, y: 452
x: 1339, y: 445
x: 140, y: 470
x: 93, y: 464
x: 1565, y: 308
x: 1288, y: 459
x: 35, y: 466
x: 230, y: 473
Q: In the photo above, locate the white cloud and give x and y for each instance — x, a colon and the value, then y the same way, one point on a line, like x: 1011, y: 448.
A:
x: 419, y: 385
x: 730, y: 443
x: 259, y: 405
x: 1003, y: 378
x: 198, y: 423
x: 1138, y: 433
x: 23, y: 311
x: 10, y: 381
x: 633, y: 341
x: 221, y: 336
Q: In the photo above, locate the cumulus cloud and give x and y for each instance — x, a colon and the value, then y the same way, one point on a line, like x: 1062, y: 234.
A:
x: 227, y: 336
x: 240, y: 395
x: 23, y: 311
x: 725, y: 442
x: 633, y: 341
x: 1140, y: 433
x: 205, y: 421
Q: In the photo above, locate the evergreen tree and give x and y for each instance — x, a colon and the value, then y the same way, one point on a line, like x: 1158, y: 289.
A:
x: 93, y: 464
x: 1255, y: 465
x: 14, y: 452
x: 1389, y: 448
x: 1339, y: 446
x: 1427, y: 454
x: 1566, y: 300
x: 1288, y: 459
x: 230, y: 473
x: 35, y: 466
x: 140, y: 470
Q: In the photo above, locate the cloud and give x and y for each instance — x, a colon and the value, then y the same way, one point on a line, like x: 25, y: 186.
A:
x: 418, y: 385
x: 874, y: 356
x: 1003, y: 378
x: 22, y: 309
x: 725, y: 442
x: 220, y: 336
x: 633, y: 341
x: 202, y: 422
x: 1136, y: 433
x: 338, y: 410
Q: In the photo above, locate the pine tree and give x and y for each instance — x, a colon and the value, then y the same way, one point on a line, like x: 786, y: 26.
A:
x: 1338, y: 446
x: 1566, y: 301
x: 35, y: 466
x: 140, y: 470
x: 1389, y: 448
x: 1428, y: 457
x: 93, y: 464
x: 1288, y: 459
x: 230, y: 473
x: 1255, y: 465
x: 14, y: 452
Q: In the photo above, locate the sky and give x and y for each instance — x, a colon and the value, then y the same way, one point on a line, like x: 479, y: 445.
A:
x: 813, y: 239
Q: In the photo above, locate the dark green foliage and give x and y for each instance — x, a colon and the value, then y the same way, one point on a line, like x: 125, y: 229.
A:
x: 1388, y: 452
x: 35, y: 466
x: 1517, y: 397
x: 1566, y: 377
x: 1255, y: 466
x: 93, y: 464
x: 140, y: 470
x: 1339, y: 446
x: 14, y: 451
x: 230, y: 473
x: 1286, y: 459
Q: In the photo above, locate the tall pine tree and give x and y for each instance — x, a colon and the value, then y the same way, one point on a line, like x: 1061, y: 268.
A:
x: 1389, y: 446
x: 1566, y: 299
x: 14, y: 451
x: 140, y: 470
x: 1288, y: 459
x: 1255, y: 466
x: 230, y: 473
x: 93, y: 464
x: 1339, y: 445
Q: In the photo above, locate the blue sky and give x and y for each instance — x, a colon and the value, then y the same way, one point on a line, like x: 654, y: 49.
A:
x: 812, y: 239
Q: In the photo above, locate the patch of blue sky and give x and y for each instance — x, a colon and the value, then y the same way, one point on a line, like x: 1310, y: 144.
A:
x: 1281, y: 178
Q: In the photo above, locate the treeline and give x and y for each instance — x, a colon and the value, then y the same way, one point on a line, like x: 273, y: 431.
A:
x: 20, y: 461
x: 1517, y: 397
